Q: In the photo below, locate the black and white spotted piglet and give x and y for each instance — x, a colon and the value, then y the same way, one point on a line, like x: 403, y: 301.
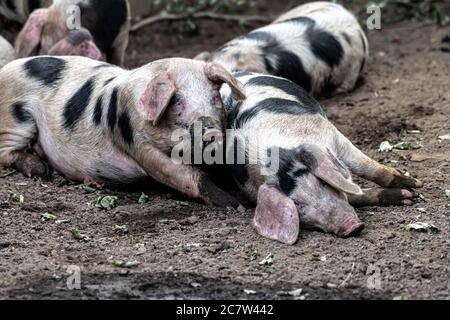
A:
x: 94, y: 28
x: 290, y: 160
x: 320, y: 46
x: 96, y: 122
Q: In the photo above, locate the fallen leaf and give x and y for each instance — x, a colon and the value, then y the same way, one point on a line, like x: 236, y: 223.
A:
x: 268, y: 260
x: 445, y: 137
x: 386, y: 147
x: 447, y: 193
x: 48, y: 217
x: 121, y: 230
x: 126, y: 264
x: 87, y: 188
x: 107, y: 203
x: 76, y: 234
x: 249, y: 292
x: 62, y: 221
x: 421, y: 227
x: 296, y: 292
x: 403, y: 146
x: 143, y: 199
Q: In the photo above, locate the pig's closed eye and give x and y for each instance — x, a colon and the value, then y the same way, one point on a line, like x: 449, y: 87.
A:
x: 216, y: 100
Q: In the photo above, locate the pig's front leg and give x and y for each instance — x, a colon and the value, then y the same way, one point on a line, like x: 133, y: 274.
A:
x: 183, y: 178
x: 382, y: 197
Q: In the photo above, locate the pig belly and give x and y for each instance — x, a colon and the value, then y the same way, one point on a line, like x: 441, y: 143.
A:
x: 89, y: 163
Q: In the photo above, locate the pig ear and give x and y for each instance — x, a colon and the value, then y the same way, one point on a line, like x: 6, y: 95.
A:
x: 218, y: 74
x: 156, y: 98
x: 204, y: 56
x: 276, y: 216
x: 30, y: 36
x: 324, y: 165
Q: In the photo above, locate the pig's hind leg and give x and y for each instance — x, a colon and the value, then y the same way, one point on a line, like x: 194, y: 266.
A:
x: 18, y: 133
x: 367, y: 168
x: 382, y: 197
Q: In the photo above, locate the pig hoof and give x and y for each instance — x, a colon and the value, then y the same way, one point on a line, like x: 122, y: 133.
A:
x: 395, y: 197
x: 276, y: 216
x: 216, y: 197
x: 401, y: 181
x: 353, y: 231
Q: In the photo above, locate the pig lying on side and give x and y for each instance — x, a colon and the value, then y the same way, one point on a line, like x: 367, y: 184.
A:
x: 6, y: 52
x: 97, y: 122
x: 320, y: 46
x: 106, y: 20
x: 289, y: 159
x: 19, y: 10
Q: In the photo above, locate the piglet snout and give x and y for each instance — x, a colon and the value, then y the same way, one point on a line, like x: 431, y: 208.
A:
x: 348, y: 225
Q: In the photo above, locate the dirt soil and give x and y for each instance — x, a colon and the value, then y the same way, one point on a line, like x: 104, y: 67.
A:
x: 188, y: 250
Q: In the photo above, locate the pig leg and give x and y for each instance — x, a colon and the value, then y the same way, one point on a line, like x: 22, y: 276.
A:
x: 382, y: 197
x: 183, y: 178
x: 276, y: 216
x: 363, y: 166
x: 17, y: 134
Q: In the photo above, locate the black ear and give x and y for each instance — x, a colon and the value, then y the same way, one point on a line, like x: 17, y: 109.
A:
x: 325, y: 166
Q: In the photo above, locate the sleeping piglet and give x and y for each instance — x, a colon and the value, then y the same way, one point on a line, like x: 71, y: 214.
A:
x: 296, y: 166
x: 319, y: 45
x: 74, y: 27
x: 96, y: 122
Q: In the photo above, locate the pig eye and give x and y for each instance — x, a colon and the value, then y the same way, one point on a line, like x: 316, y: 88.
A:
x: 216, y: 100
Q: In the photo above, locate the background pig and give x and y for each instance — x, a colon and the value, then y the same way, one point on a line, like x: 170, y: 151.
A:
x: 97, y: 122
x: 279, y: 122
x: 6, y: 52
x: 106, y: 20
x: 319, y: 46
x: 19, y: 10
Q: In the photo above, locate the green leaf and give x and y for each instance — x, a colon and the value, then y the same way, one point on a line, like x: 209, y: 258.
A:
x: 447, y: 193
x: 143, y: 199
x: 403, y: 146
x: 76, y: 234
x: 107, y: 203
x: 421, y: 227
x: 267, y: 261
x: 87, y: 188
x: 445, y: 137
x: 48, y: 217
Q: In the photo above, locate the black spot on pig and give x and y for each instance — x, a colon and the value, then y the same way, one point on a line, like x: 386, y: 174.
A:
x: 104, y: 19
x: 19, y: 113
x: 286, y: 64
x: 238, y: 169
x: 287, y: 164
x: 47, y: 70
x: 325, y: 46
x: 276, y: 106
x: 125, y: 128
x: 308, y: 22
x: 289, y: 88
x: 33, y: 5
x: 98, y: 111
x: 75, y: 107
x: 112, y: 111
x: 261, y: 36
x: 108, y: 81
x: 240, y: 74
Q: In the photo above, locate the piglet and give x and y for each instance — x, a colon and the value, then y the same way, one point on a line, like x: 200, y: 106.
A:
x: 6, y: 52
x: 92, y: 121
x: 296, y: 166
x: 319, y: 45
x: 74, y: 26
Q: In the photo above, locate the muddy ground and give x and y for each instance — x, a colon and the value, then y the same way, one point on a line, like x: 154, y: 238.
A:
x: 187, y: 250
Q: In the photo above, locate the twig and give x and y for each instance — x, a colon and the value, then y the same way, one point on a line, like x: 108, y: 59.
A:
x: 344, y: 283
x: 197, y: 15
x: 7, y: 174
